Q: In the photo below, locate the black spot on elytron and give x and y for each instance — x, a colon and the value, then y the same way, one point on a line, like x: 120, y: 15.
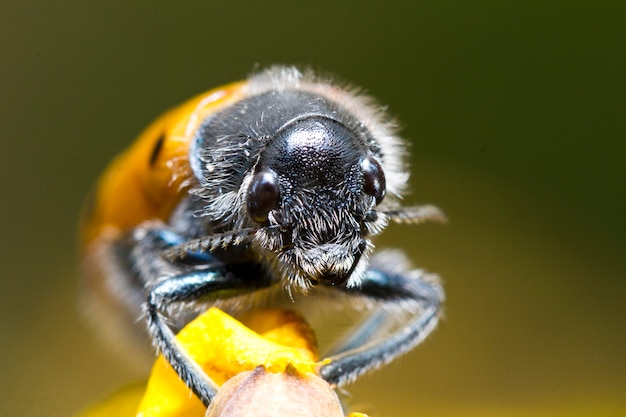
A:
x: 157, y: 149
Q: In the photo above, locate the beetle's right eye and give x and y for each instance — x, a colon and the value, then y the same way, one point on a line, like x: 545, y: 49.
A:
x: 373, y: 179
x: 263, y: 195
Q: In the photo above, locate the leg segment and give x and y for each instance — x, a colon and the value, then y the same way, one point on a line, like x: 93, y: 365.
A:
x: 412, y: 291
x: 200, y: 285
x: 196, y: 276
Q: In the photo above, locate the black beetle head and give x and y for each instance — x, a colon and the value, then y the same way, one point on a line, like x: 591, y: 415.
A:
x: 316, y: 185
x: 304, y: 164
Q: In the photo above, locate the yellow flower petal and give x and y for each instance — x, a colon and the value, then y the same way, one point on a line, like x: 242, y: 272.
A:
x: 277, y: 344
x: 224, y: 347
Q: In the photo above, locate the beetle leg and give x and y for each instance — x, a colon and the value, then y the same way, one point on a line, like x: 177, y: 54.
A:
x: 417, y: 214
x: 140, y: 273
x: 413, y: 291
x: 203, y: 285
x: 196, y: 276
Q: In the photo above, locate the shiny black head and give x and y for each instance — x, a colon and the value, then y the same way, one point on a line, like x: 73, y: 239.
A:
x: 301, y: 165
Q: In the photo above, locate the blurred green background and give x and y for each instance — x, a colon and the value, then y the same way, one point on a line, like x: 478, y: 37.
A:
x: 515, y: 111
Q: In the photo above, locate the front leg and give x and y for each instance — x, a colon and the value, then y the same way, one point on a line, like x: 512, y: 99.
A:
x: 413, y: 291
x: 194, y: 276
x: 205, y: 285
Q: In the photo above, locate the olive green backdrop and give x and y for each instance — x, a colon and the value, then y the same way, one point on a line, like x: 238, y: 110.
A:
x: 515, y: 111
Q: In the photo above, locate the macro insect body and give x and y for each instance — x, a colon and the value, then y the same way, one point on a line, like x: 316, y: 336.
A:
x: 275, y: 183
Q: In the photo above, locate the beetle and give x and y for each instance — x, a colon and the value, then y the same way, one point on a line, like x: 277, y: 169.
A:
x: 274, y: 184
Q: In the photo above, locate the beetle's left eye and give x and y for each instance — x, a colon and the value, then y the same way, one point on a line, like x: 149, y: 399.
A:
x: 263, y: 195
x: 374, y: 183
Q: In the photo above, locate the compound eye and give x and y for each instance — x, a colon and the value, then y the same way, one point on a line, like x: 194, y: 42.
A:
x: 374, y: 183
x: 263, y: 195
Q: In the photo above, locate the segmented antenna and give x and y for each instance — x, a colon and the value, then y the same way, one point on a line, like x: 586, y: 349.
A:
x: 209, y: 243
x: 417, y: 214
